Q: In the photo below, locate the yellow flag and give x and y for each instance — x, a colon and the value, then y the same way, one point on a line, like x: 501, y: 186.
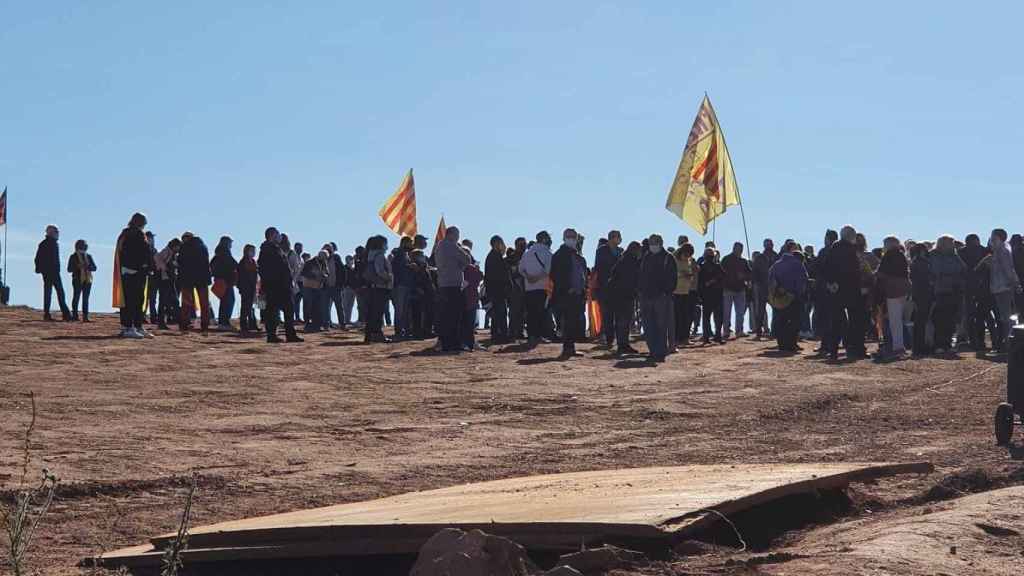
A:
x: 705, y: 184
x: 399, y: 211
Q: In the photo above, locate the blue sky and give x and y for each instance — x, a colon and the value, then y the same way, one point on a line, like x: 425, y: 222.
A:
x: 226, y: 117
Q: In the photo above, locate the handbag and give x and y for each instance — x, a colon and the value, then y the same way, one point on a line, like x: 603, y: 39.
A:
x: 220, y: 288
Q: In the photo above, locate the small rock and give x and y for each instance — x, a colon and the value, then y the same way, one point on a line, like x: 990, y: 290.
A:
x: 952, y: 550
x: 601, y: 559
x: 453, y: 552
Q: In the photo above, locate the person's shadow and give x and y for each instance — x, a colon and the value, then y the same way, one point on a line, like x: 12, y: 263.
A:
x: 635, y: 363
x: 90, y: 337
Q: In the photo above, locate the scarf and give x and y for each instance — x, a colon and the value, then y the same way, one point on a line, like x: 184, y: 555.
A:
x: 84, y: 273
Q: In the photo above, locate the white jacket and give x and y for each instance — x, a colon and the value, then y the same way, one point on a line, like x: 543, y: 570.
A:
x: 536, y: 264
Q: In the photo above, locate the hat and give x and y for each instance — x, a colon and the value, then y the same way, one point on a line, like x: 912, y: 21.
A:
x: 419, y: 237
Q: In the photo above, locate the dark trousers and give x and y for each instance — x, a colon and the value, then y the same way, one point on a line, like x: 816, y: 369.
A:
x: 499, y: 319
x: 833, y: 323
x: 453, y: 305
x: 683, y: 320
x: 516, y: 313
x: 571, y: 308
x: 152, y: 292
x: 134, y: 286
x: 467, y: 328
x: 226, y: 307
x: 535, y: 311
x: 609, y: 319
x: 712, y: 309
x: 377, y: 299
x: 850, y: 307
x: 944, y: 317
x: 276, y: 304
x: 787, y: 328
x: 979, y: 318
x: 656, y: 321
x: 169, y: 307
x: 49, y: 285
x: 624, y: 313
x: 80, y: 292
x: 246, y: 314
x: 922, y: 314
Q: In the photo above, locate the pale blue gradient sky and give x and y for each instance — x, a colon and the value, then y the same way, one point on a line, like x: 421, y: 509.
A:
x: 225, y: 117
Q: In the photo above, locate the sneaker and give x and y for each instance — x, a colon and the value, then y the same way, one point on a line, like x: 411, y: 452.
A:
x: 145, y: 333
x: 134, y: 334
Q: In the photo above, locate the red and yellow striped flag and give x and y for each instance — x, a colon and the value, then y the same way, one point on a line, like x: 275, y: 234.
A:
x: 399, y: 212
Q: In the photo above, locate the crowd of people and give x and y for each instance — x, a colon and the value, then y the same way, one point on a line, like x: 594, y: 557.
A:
x: 921, y: 297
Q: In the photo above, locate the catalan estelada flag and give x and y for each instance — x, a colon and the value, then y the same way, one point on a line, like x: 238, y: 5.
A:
x: 399, y: 212
x: 705, y: 184
x: 442, y: 230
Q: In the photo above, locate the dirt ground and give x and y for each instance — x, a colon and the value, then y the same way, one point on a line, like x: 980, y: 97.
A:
x: 278, y: 428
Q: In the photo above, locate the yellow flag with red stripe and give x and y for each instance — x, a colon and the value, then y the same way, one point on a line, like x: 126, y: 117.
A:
x: 399, y: 211
x: 705, y: 184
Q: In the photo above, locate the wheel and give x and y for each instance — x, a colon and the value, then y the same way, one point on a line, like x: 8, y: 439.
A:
x: 1004, y: 424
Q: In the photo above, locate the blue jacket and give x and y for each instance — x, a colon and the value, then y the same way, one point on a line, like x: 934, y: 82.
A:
x: 789, y: 274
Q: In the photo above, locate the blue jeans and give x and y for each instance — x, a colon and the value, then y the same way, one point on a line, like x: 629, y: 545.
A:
x: 657, y: 317
x: 400, y: 297
x: 731, y: 300
x: 227, y: 306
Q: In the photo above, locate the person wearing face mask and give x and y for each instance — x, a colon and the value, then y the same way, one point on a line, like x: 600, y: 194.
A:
x: 709, y: 281
x: 452, y: 261
x: 1003, y: 283
x: 135, y: 260
x: 535, y: 267
x: 569, y: 279
x: 81, y: 266
x: 657, y: 281
x: 498, y: 283
x: 48, y: 266
x: 604, y: 260
x: 276, y: 285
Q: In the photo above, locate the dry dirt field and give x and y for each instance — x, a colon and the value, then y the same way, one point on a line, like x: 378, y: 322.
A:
x: 278, y: 428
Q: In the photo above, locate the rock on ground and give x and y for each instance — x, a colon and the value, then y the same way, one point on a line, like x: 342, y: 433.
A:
x: 453, y: 552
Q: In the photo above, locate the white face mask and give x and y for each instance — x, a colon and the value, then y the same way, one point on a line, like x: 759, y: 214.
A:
x: 655, y: 248
x: 82, y: 252
x: 570, y: 242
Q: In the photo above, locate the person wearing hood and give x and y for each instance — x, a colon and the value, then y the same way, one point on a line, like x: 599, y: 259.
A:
x: 709, y: 282
x: 948, y: 278
x: 276, y: 286
x: 81, y: 266
x: 788, y: 279
x: 48, y: 266
x: 225, y: 269
x: 657, y: 282
x: 313, y: 277
x: 1003, y: 284
x: 569, y: 288
x: 194, y: 279
x: 135, y: 259
x: 535, y: 266
x: 894, y: 283
x: 247, y: 273
x: 380, y: 278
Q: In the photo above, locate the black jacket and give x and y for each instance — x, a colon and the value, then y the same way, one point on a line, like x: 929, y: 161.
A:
x: 562, y: 270
x: 341, y: 270
x: 193, y: 263
x: 657, y: 275
x: 843, y: 268
x: 972, y: 256
x: 497, y: 277
x: 624, y: 279
x: 921, y: 278
x: 604, y: 261
x: 48, y: 258
x: 76, y: 270
x: 224, y: 265
x: 274, y: 271
x: 248, y: 273
x: 709, y: 280
x: 135, y: 251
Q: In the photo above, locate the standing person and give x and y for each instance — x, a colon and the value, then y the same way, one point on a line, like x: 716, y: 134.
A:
x: 452, y: 260
x: 380, y: 280
x: 498, y: 283
x: 658, y: 278
x: 152, y: 282
x: 405, y: 285
x: 894, y: 282
x: 686, y: 279
x: 248, y: 272
x: 314, y: 274
x: 709, y: 280
x: 1004, y: 284
x: 922, y: 293
x: 831, y: 329
x: 845, y: 277
x: 760, y: 268
x: 569, y: 279
x: 535, y: 267
x: 789, y: 277
x: 734, y: 293
x: 948, y: 273
x: 1017, y: 244
x: 224, y: 268
x: 336, y: 283
x: 605, y: 259
x: 348, y: 294
x: 276, y: 284
x: 165, y: 264
x: 425, y: 291
x: 194, y: 281
x: 135, y: 260
x: 359, y: 285
x: 295, y: 264
x: 81, y: 266
x: 517, y: 297
x: 975, y: 306
x: 622, y: 290
x: 467, y: 331
x: 48, y: 266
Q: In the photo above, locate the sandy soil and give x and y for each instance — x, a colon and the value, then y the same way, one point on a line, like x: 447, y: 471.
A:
x: 276, y: 428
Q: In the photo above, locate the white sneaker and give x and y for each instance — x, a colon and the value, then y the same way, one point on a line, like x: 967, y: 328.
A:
x: 123, y: 333
x: 145, y: 333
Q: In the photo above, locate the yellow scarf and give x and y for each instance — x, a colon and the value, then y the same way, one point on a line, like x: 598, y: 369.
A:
x: 84, y: 274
